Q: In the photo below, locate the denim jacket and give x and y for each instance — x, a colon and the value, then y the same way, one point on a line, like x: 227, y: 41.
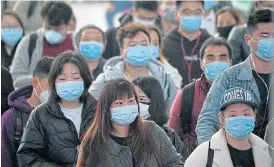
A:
x: 239, y: 75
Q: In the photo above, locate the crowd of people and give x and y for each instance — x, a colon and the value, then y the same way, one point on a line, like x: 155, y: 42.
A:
x: 177, y: 83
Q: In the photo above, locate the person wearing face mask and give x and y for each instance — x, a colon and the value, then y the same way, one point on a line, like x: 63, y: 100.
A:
x: 50, y: 40
x: 226, y: 19
x: 156, y: 48
x: 152, y: 107
x: 234, y: 144
x: 253, y: 74
x: 119, y: 137
x: 22, y: 101
x: 167, y: 12
x: 55, y: 128
x: 181, y: 46
x: 136, y: 60
x: 12, y: 31
x: 236, y: 37
x: 91, y: 41
x: 143, y: 12
x: 209, y: 18
x: 215, y: 57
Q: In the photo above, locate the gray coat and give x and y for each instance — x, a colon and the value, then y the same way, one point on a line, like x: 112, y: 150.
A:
x: 114, y: 68
x: 115, y: 155
x: 240, y: 50
x: 21, y: 69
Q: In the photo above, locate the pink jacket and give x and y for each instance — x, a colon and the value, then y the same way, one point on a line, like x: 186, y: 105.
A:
x: 189, y: 139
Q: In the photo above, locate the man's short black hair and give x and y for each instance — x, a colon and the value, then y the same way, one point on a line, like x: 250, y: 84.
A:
x: 263, y: 16
x: 79, y: 33
x: 42, y: 68
x: 147, y: 5
x: 215, y: 41
x: 56, y: 13
x: 179, y: 3
x: 129, y: 31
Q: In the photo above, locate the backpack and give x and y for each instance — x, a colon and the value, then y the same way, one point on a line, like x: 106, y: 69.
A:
x: 186, y: 108
x: 18, y: 125
x: 32, y: 44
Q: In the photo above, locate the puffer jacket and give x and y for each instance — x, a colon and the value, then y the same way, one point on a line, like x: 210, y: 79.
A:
x: 50, y: 139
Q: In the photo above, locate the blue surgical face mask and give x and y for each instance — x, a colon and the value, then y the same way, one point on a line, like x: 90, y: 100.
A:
x: 11, y: 36
x: 139, y: 55
x: 155, y: 51
x: 239, y: 127
x: 169, y: 14
x: 266, y: 49
x: 70, y: 90
x: 191, y: 23
x: 145, y: 22
x: 91, y: 50
x: 209, y: 4
x: 124, y: 115
x: 53, y: 37
x: 215, y: 68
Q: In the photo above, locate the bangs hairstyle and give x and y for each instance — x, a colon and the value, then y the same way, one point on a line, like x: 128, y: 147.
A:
x: 57, y: 69
x: 129, y: 31
x: 215, y: 41
x: 236, y: 15
x: 97, y: 135
x: 151, y: 28
x: 153, y: 89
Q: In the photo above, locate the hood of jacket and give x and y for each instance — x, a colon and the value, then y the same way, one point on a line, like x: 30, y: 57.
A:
x: 18, y: 98
x: 114, y: 68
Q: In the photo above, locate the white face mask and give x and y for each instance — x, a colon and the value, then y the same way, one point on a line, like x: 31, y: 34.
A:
x: 43, y: 95
x: 144, y: 111
x: 145, y: 22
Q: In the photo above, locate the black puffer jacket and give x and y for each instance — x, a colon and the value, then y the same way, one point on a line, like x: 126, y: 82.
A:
x: 51, y: 140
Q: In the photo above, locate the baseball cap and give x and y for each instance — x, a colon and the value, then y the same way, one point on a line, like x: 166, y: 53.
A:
x: 237, y: 95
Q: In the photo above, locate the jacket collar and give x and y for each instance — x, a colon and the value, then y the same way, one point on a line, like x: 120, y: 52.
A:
x: 246, y: 70
x: 222, y: 157
x: 88, y: 107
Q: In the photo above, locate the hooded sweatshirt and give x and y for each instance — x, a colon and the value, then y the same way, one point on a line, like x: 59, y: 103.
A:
x: 173, y: 48
x: 18, y: 101
x: 114, y: 68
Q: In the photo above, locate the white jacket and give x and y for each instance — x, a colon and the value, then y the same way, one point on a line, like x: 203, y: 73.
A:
x: 222, y: 158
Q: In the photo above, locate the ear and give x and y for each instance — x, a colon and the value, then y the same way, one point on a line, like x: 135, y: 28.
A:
x: 202, y: 65
x: 123, y: 53
x: 221, y: 119
x: 132, y: 11
x: 247, y: 39
x: 35, y: 83
x: 178, y: 18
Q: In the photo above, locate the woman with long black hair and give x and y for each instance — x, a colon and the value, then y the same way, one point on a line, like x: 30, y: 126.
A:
x: 153, y: 107
x: 119, y: 137
x: 56, y: 127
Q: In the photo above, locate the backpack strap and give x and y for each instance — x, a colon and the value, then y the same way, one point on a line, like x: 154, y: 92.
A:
x: 18, y: 125
x: 210, y: 156
x: 187, y: 105
x: 32, y: 44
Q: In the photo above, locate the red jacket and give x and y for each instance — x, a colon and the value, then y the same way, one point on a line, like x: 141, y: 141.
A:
x: 200, y: 92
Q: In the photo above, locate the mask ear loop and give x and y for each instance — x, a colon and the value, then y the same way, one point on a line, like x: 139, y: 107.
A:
x: 268, y: 93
